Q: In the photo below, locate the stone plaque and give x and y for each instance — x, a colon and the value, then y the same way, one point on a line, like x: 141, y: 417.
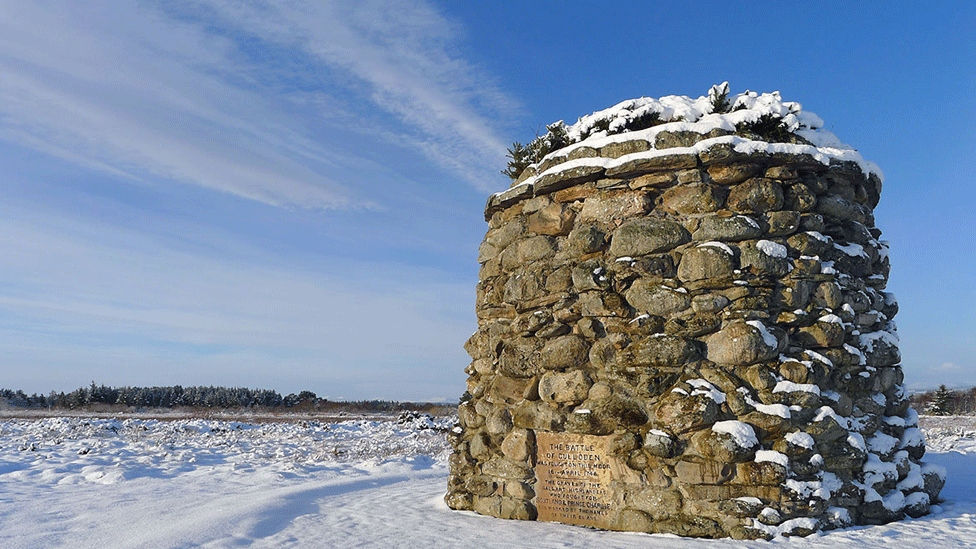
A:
x: 573, y: 474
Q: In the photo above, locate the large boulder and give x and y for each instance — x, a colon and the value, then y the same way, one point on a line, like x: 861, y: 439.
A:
x: 647, y: 235
x: 564, y: 387
x: 648, y: 297
x: 712, y: 263
x: 756, y: 195
x: 742, y: 343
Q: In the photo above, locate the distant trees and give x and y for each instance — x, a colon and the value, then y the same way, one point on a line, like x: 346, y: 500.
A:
x: 944, y: 401
x: 150, y: 397
x: 19, y: 399
x: 941, y: 402
x: 95, y: 396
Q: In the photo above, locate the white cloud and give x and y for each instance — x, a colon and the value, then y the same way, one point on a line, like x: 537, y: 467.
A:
x: 401, y: 49
x: 104, y: 299
x: 308, y: 104
x: 248, y: 99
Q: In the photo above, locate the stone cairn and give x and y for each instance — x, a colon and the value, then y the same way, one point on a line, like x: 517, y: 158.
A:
x: 684, y: 329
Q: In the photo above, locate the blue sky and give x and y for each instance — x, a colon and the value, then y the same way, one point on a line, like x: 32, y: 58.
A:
x: 289, y: 194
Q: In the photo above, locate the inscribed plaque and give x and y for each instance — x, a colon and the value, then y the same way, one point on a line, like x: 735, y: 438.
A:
x: 573, y: 474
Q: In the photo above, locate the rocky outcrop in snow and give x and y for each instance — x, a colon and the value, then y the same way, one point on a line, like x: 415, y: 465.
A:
x: 714, y: 306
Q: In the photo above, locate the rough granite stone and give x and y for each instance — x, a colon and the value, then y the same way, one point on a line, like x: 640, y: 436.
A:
x: 708, y: 332
x: 647, y: 235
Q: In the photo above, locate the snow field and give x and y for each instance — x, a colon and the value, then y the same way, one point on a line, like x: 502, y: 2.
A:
x: 75, y: 482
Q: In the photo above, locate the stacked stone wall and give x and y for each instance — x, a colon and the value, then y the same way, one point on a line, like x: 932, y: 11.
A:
x: 715, y: 322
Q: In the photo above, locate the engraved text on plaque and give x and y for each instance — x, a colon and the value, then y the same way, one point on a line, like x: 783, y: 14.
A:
x: 573, y: 476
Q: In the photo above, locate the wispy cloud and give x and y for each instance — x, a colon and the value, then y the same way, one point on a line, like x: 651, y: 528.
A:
x: 401, y: 50
x: 106, y: 299
x: 262, y: 108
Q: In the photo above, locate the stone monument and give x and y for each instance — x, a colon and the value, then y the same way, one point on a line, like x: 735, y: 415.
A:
x: 683, y: 328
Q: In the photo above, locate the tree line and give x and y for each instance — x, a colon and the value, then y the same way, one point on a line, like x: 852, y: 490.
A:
x: 176, y: 396
x: 941, y: 401
x: 945, y: 402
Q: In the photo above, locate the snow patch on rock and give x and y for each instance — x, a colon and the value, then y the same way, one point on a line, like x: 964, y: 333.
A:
x: 742, y: 433
x: 772, y: 249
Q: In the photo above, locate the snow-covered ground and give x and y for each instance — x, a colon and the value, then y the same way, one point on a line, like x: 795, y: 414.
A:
x: 109, y: 483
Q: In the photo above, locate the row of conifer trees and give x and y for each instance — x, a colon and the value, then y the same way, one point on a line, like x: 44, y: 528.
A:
x: 945, y: 402
x: 157, y: 397
x: 99, y: 397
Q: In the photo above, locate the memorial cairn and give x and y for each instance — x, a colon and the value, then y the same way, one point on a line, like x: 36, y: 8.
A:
x: 683, y: 328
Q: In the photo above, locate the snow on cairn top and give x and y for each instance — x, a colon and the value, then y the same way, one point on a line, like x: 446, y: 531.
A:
x: 751, y: 122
